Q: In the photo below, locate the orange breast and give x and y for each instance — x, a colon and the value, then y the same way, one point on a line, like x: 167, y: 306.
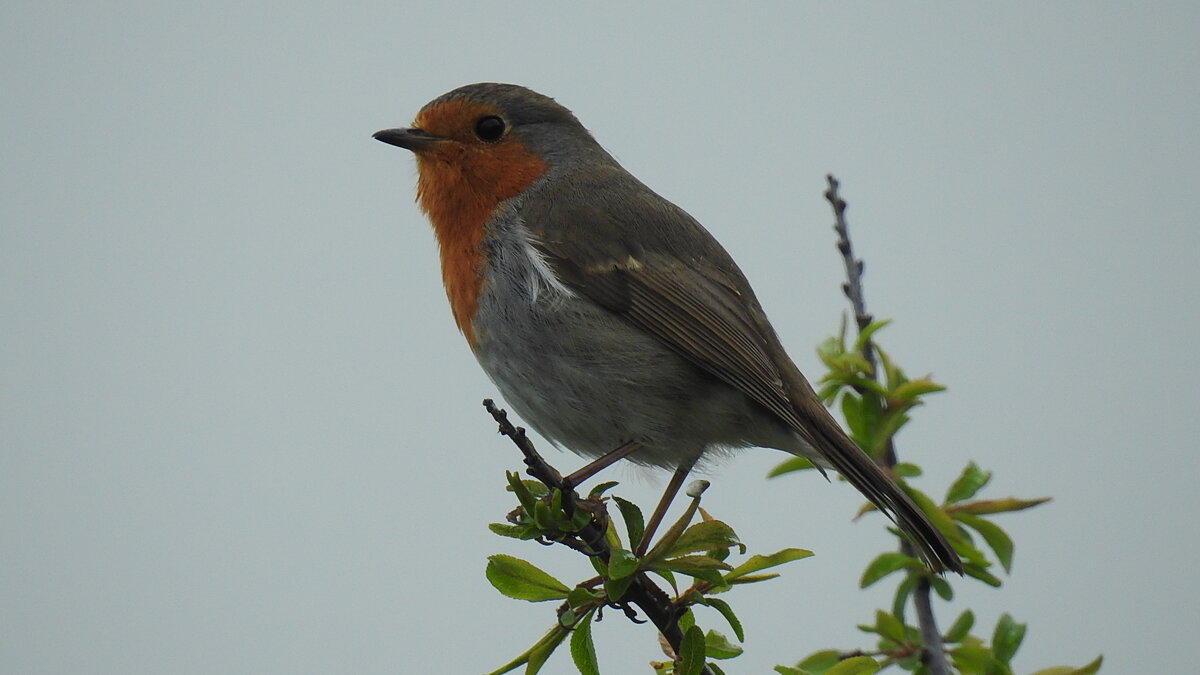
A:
x: 462, y: 182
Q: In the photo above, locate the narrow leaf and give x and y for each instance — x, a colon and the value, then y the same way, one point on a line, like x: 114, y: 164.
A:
x: 961, y: 627
x: 1089, y: 669
x: 996, y: 538
x: 853, y: 413
x: 968, y: 483
x: 978, y: 572
x: 635, y: 525
x: 621, y: 563
x: 819, y: 662
x: 691, y: 652
x: 704, y: 536
x: 761, y: 562
x: 727, y: 612
x: 903, y: 590
x: 859, y: 665
x: 790, y: 465
x: 914, y: 389
x: 718, y: 646
x: 524, y: 491
x: 885, y: 564
x: 540, y: 650
x: 599, y: 490
x: 889, y: 627
x: 514, y: 531
x: 869, y: 332
x: 987, y: 506
x: 521, y: 580
x: 1007, y: 637
x: 583, y: 650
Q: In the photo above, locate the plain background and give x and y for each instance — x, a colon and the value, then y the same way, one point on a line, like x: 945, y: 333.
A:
x: 238, y: 430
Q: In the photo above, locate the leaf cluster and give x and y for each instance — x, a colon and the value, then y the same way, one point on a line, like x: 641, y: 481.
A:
x: 693, y: 557
x: 876, y: 406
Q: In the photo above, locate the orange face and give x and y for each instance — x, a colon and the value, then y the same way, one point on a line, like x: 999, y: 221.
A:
x: 462, y: 181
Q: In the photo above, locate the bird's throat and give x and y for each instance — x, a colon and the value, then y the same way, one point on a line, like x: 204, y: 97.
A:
x: 460, y: 195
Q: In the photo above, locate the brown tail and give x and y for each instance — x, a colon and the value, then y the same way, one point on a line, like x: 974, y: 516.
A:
x: 862, y: 472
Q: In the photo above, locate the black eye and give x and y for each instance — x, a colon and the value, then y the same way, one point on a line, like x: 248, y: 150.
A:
x: 489, y: 129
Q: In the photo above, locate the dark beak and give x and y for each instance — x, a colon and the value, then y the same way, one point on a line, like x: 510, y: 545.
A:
x: 409, y: 139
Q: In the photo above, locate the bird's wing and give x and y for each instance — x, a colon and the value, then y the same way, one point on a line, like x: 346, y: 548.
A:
x: 674, y: 281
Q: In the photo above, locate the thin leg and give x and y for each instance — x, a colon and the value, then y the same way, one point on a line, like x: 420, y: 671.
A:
x: 660, y: 511
x: 601, y: 463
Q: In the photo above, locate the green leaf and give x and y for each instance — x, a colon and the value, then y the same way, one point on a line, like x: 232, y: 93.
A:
x: 889, y: 425
x: 751, y: 578
x: 581, y: 597
x: 790, y: 465
x: 621, y: 563
x: 1007, y: 637
x: 599, y: 490
x: 521, y: 580
x: 961, y: 627
x: 888, y: 626
x: 709, y: 535
x: 635, y: 525
x: 1089, y: 669
x: 972, y: 659
x: 785, y: 670
x: 514, y: 531
x: 761, y: 562
x: 718, y: 646
x: 831, y: 349
x: 868, y: 333
x: 913, y: 389
x: 979, y: 572
x: 942, y: 587
x: 859, y: 665
x: 819, y: 662
x: 727, y: 612
x: 691, y: 652
x: 540, y: 653
x: 894, y: 376
x: 692, y: 565
x: 536, y: 655
x: 968, y: 483
x: 996, y: 538
x: 906, y: 470
x: 986, y: 506
x: 852, y: 410
x: 886, y: 563
x: 615, y: 588
x: 583, y: 650
x: 903, y: 590
x: 524, y: 490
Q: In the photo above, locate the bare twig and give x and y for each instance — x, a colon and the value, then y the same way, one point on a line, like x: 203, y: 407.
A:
x: 643, y: 593
x: 933, y: 655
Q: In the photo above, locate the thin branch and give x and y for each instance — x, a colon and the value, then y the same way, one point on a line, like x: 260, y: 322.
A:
x: 934, y: 654
x: 643, y: 593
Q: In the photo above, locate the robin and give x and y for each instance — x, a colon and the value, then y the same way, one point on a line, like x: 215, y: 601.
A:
x: 606, y: 316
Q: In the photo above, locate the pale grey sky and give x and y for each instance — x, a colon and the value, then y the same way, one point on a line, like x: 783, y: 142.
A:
x: 238, y: 431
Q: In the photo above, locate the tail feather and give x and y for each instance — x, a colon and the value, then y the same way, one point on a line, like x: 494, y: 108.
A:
x: 863, y: 473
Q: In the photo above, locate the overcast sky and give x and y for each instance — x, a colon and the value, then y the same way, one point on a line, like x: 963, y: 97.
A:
x: 240, y: 434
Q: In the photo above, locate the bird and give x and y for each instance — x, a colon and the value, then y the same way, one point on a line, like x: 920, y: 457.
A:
x: 604, y: 314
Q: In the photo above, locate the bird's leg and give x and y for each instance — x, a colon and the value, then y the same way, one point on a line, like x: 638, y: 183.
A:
x: 601, y: 463
x: 660, y: 511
